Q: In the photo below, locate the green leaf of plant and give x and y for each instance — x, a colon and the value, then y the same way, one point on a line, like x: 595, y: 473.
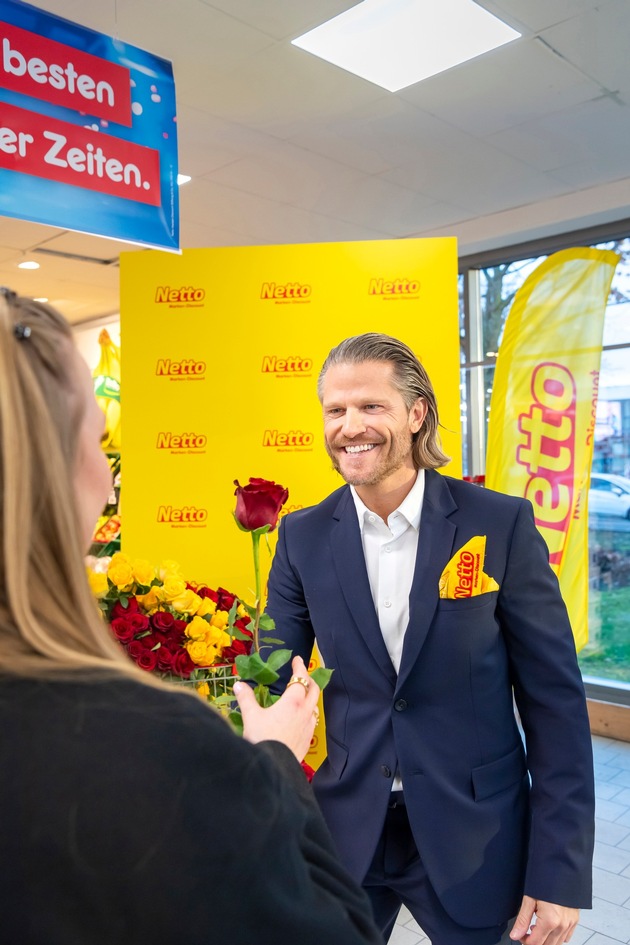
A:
x: 266, y: 622
x: 321, y: 676
x: 268, y: 640
x: 236, y: 720
x: 251, y: 611
x: 253, y: 667
x: 278, y: 658
x: 237, y: 634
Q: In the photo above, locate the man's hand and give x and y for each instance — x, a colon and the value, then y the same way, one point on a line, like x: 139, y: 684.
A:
x: 554, y: 924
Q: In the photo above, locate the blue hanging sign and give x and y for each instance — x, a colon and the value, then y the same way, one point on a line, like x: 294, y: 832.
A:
x: 88, y: 133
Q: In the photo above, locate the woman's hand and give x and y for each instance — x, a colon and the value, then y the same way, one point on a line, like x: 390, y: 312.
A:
x: 291, y: 720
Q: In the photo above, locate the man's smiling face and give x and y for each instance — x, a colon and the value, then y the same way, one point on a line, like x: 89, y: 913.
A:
x: 367, y: 426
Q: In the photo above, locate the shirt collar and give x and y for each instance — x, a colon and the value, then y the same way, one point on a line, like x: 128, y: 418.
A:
x: 410, y: 508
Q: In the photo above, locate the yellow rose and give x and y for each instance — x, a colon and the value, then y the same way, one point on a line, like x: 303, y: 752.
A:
x: 207, y: 607
x: 120, y: 558
x: 216, y: 637
x: 211, y: 655
x: 240, y: 611
x: 120, y: 574
x: 196, y: 629
x: 173, y: 586
x: 168, y: 569
x: 203, y: 689
x: 98, y: 583
x: 143, y: 572
x: 149, y: 602
x: 220, y: 619
x: 197, y: 652
x: 186, y: 603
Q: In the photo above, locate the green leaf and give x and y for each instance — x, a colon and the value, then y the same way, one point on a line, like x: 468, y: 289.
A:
x: 143, y: 588
x: 278, y: 658
x: 266, y: 622
x: 253, y: 667
x: 232, y: 614
x: 236, y: 720
x: 251, y: 611
x: 269, y: 640
x: 263, y: 696
x: 237, y: 634
x: 321, y: 676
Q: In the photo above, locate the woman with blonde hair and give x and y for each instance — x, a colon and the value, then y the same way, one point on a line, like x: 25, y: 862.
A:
x: 130, y: 811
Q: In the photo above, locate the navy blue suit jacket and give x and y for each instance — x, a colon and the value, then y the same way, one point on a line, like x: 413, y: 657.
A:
x: 490, y: 820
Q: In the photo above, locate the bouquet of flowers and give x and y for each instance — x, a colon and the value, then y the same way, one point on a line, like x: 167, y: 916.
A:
x: 181, y: 630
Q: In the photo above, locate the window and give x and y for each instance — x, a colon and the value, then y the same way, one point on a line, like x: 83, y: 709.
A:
x: 488, y: 285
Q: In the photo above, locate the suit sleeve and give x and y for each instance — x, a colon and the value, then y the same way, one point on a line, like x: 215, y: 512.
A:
x: 287, y: 605
x: 550, y: 698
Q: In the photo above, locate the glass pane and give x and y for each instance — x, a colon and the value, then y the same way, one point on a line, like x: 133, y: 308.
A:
x: 607, y: 654
x: 499, y: 285
x: 617, y: 323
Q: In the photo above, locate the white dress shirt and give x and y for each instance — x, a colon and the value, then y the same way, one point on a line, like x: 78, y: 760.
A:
x: 390, y: 557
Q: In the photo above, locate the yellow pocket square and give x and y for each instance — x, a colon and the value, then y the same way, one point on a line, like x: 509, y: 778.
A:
x: 464, y: 576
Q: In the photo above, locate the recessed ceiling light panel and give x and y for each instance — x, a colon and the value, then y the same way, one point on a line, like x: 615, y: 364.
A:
x: 396, y: 43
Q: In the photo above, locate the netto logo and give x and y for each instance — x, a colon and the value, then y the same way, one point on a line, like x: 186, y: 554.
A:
x: 186, y: 293
x: 167, y: 368
x: 290, y: 290
x: 273, y: 365
x: 397, y: 287
x: 292, y: 438
x: 181, y: 441
x: 547, y: 451
x: 187, y: 515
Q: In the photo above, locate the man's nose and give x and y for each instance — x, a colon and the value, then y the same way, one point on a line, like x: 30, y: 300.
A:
x: 353, y: 424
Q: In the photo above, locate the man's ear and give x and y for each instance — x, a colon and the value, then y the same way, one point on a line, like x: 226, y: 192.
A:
x: 417, y: 414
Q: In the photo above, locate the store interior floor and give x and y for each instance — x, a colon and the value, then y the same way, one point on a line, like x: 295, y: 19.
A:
x: 608, y: 923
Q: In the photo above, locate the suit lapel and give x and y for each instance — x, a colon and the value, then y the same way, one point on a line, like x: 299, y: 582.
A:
x: 435, y: 544
x: 349, y: 561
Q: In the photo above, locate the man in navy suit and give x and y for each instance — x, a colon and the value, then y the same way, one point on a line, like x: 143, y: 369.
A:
x: 427, y: 788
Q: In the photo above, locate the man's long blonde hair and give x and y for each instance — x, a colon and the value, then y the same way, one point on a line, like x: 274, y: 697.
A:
x: 48, y: 617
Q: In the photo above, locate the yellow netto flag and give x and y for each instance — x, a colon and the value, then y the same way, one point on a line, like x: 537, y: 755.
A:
x: 542, y: 412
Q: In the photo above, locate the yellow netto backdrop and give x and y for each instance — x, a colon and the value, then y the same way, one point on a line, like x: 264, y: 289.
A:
x: 221, y: 349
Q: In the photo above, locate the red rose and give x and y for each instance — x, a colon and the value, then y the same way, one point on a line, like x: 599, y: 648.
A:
x: 179, y: 626
x: 162, y: 620
x: 122, y: 630
x: 182, y: 664
x: 139, y: 622
x: 204, y: 591
x: 164, y: 660
x: 259, y: 503
x: 150, y: 641
x: 119, y: 611
x: 135, y: 650
x: 224, y: 599
x: 148, y: 660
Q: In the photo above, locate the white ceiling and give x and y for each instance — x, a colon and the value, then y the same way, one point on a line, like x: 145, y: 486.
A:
x: 283, y: 147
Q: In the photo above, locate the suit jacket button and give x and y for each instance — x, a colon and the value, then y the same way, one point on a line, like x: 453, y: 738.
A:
x: 400, y: 705
x: 385, y: 771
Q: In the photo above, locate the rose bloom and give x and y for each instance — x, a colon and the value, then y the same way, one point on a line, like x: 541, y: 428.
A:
x: 216, y: 636
x: 203, y: 689
x: 207, y: 607
x: 120, y: 574
x: 182, y: 664
x: 149, y: 601
x: 186, y: 603
x: 162, y: 620
x: 165, y: 659
x: 220, y: 619
x: 139, y: 622
x: 143, y: 573
x: 197, y: 652
x: 119, y: 611
x: 148, y: 660
x: 173, y: 586
x: 197, y: 628
x: 168, y: 569
x: 135, y: 649
x: 99, y: 584
x: 259, y: 503
x: 224, y: 599
x: 122, y: 629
